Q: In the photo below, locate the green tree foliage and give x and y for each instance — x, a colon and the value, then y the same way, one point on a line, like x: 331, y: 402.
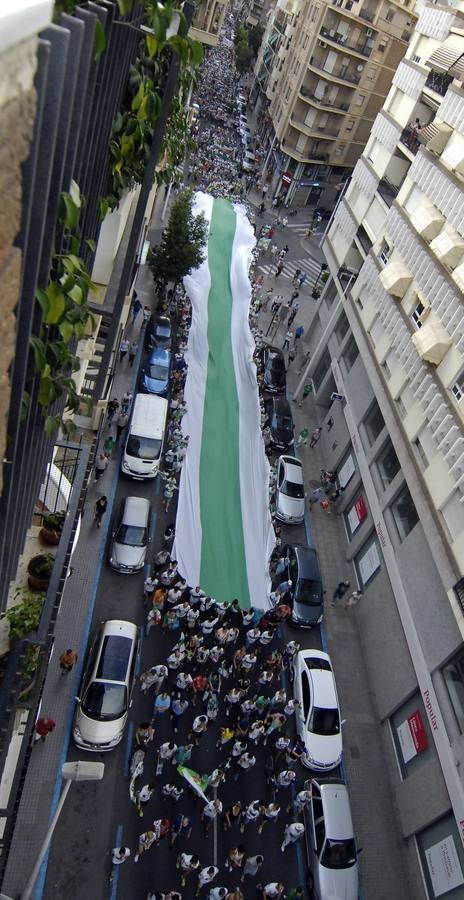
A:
x: 247, y: 42
x: 181, y: 248
x: 255, y: 37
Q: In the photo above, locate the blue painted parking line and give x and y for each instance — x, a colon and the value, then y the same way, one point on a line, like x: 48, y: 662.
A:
x: 77, y: 672
x: 114, y: 877
x: 138, y: 661
x: 128, y: 748
x: 324, y: 643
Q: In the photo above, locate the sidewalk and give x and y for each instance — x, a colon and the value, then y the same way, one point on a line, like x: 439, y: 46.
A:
x: 43, y: 784
x: 384, y: 872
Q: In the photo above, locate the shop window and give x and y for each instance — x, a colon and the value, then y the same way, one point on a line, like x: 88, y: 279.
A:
x: 411, y: 735
x: 453, y: 674
x: 442, y: 858
x: 374, y: 423
x: 387, y: 464
x: 404, y: 513
x: 342, y: 327
x: 368, y: 561
x: 321, y: 369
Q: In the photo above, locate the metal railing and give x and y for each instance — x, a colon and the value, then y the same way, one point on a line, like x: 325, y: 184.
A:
x: 337, y: 38
x: 438, y: 82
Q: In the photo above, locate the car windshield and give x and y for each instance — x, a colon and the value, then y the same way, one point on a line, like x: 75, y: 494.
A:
x: 338, y: 854
x: 163, y: 331
x: 143, y: 447
x: 276, y: 362
x: 105, y: 701
x: 159, y: 373
x: 309, y: 592
x: 291, y: 489
x: 281, y: 420
x: 324, y: 721
x: 132, y: 535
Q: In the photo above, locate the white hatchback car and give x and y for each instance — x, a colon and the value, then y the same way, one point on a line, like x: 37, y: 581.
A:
x: 290, y: 494
x: 330, y: 843
x: 105, y: 693
x: 131, y: 536
x: 318, y: 716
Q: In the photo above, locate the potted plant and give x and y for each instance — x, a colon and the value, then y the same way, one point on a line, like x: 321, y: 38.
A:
x: 316, y: 294
x: 39, y: 571
x: 52, y: 526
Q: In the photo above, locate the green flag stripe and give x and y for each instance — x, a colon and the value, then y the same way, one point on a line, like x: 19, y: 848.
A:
x: 223, y: 571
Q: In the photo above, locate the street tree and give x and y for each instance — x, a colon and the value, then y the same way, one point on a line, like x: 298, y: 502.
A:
x: 181, y: 248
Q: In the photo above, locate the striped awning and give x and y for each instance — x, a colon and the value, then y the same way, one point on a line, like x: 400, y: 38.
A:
x: 435, y: 136
x: 448, y: 56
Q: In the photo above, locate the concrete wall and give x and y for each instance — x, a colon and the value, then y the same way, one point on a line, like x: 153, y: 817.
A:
x: 17, y: 112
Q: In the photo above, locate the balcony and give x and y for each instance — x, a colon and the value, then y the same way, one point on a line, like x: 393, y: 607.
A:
x: 335, y: 38
x: 364, y: 239
x: 308, y: 155
x: 387, y: 191
x: 409, y: 139
x: 438, y: 82
x: 341, y: 75
x: 333, y: 106
x: 322, y: 131
x: 367, y: 15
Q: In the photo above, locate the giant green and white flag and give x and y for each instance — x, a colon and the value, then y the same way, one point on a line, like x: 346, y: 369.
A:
x: 224, y: 533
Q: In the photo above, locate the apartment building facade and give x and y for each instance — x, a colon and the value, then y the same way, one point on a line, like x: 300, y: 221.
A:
x: 324, y: 70
x: 388, y: 340
x: 207, y: 22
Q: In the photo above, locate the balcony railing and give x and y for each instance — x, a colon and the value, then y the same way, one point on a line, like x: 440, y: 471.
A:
x: 341, y: 74
x: 409, y: 139
x: 387, y: 191
x: 438, y: 82
x: 364, y: 239
x: 366, y: 14
x: 342, y: 107
x: 337, y: 38
x: 328, y: 132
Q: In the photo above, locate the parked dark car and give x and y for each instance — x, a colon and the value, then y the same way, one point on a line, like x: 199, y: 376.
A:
x: 158, y: 333
x: 275, y: 374
x: 280, y: 422
x: 306, y: 596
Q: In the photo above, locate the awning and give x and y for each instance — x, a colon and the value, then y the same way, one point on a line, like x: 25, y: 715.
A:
x: 458, y: 277
x: 449, y: 55
x: 448, y: 246
x: 435, y: 136
x: 427, y: 220
x: 432, y: 341
x: 395, y: 278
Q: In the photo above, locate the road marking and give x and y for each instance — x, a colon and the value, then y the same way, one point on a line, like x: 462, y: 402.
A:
x: 127, y: 751
x: 215, y: 835
x: 115, y: 869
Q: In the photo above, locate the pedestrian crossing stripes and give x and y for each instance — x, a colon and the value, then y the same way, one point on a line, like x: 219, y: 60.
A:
x: 301, y: 228
x: 310, y: 266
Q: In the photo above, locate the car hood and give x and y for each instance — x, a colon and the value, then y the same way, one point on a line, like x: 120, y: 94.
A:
x: 126, y: 555
x: 306, y: 613
x: 154, y: 385
x: 338, y: 884
x: 95, y: 732
x: 324, y: 750
x: 290, y: 506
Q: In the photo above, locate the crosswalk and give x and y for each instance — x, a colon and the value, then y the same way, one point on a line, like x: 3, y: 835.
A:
x: 308, y: 265
x: 300, y: 228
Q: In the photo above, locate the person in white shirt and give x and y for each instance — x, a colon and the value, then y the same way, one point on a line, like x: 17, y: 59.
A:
x: 252, y: 865
x: 252, y: 636
x: 196, y: 594
x: 167, y: 750
x: 210, y: 811
x: 209, y: 624
x: 205, y: 876
x: 270, y: 815
x: 290, y: 707
x: 292, y: 833
x: 187, y: 863
x: 119, y: 855
x: 199, y: 726
x: 183, y: 681
x: 285, y: 779
x: 218, y: 893
x: 245, y: 762
x: 192, y: 618
x: 248, y: 662
x: 256, y: 731
x: 274, y: 889
x: 299, y: 802
x: 251, y: 814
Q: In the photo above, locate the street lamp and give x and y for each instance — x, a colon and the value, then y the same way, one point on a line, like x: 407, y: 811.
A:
x: 73, y: 771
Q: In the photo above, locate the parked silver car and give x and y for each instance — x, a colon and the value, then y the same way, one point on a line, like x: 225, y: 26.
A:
x: 330, y: 843
x: 290, y: 494
x: 131, y: 536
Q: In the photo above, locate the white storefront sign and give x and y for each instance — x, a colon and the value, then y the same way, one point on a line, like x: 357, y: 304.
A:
x: 369, y: 562
x: 346, y: 472
x: 444, y: 866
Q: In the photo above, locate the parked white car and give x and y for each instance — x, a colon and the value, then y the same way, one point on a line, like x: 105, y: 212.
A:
x: 290, y: 494
x: 105, y: 693
x: 131, y: 536
x: 318, y: 716
x: 330, y: 843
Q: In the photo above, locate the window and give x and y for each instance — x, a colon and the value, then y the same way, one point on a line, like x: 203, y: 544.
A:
x: 342, y: 327
x: 416, y: 315
x: 442, y: 858
x: 374, y: 423
x: 458, y: 388
x: 420, y: 452
x: 351, y: 354
x: 368, y: 561
x: 321, y: 369
x: 306, y: 694
x: 410, y: 732
x: 404, y: 513
x: 360, y: 98
x: 453, y: 674
x: 387, y: 464
x: 385, y: 253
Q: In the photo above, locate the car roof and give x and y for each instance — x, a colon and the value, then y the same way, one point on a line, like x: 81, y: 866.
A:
x: 136, y: 511
x: 160, y: 355
x: 324, y: 691
x: 337, y: 812
x: 119, y: 627
x: 308, y: 563
x: 281, y: 405
x: 293, y: 469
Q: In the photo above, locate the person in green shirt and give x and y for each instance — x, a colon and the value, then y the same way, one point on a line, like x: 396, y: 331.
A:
x: 303, y: 437
x: 308, y: 389
x: 294, y: 893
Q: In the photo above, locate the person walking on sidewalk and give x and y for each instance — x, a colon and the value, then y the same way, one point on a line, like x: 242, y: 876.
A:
x: 291, y: 355
x: 288, y: 338
x: 43, y: 727
x: 252, y: 866
x: 340, y: 591
x: 353, y: 599
x: 315, y: 436
x: 298, y: 334
x: 100, y: 510
x: 101, y: 464
x: 304, y: 362
x: 292, y: 315
x: 123, y: 349
x: 121, y: 424
x: 293, y: 833
x: 67, y: 660
x: 303, y: 437
x: 136, y: 307
x: 293, y: 298
x: 279, y: 269
x: 108, y: 446
x: 296, y: 276
x: 133, y: 352
x: 206, y: 876
x: 112, y: 409
x: 307, y: 390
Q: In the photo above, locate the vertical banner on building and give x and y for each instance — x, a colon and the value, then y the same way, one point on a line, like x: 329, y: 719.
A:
x: 412, y: 736
x: 357, y: 514
x: 444, y: 866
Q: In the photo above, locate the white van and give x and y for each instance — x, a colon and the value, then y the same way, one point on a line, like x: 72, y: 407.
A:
x: 142, y: 452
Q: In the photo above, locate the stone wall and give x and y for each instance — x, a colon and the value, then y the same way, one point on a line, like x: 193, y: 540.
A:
x: 17, y: 112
